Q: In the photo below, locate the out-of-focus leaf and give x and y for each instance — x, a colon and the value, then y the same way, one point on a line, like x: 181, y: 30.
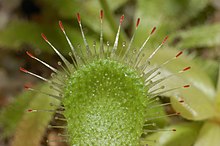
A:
x: 32, y: 126
x: 89, y: 11
x: 209, y: 66
x: 195, y: 107
x: 67, y: 8
x: 11, y: 115
x: 200, y: 36
x: 18, y: 33
x: 21, y: 32
x: 218, y: 83
x: 167, y: 16
x: 209, y: 135
x: 185, y: 135
x: 199, y: 98
x: 217, y: 103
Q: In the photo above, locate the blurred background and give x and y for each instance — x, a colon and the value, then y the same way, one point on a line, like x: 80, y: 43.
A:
x: 192, y: 25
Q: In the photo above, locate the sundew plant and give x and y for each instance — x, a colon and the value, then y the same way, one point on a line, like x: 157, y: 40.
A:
x: 106, y: 92
x: 115, y: 73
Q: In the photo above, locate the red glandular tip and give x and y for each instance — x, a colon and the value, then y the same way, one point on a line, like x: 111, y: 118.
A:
x: 29, y: 54
x: 44, y: 37
x: 23, y: 70
x: 138, y: 22
x: 61, y: 25
x: 180, y: 53
x: 165, y: 39
x: 78, y: 17
x: 186, y: 86
x: 178, y: 113
x: 153, y: 30
x: 187, y: 68
x: 101, y: 14
x: 30, y: 110
x: 122, y: 18
x: 27, y: 86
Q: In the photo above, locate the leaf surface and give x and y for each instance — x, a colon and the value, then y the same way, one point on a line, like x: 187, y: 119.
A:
x: 209, y: 135
x: 185, y: 135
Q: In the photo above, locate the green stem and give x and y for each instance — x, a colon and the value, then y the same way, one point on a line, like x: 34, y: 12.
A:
x: 111, y: 20
x: 108, y: 14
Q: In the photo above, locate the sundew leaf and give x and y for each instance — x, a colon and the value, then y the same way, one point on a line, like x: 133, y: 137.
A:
x: 209, y: 135
x: 167, y: 16
x: 199, y: 98
x: 32, y: 126
x: 199, y: 37
x: 185, y: 135
x: 36, y: 122
x: 18, y: 33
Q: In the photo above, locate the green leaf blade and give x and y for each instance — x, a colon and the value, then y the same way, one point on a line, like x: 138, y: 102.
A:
x: 185, y: 135
x: 200, y: 37
x: 33, y: 125
x: 209, y: 135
